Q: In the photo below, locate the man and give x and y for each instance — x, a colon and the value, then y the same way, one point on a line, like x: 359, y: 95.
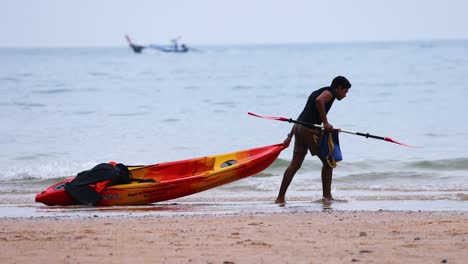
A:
x: 315, y: 112
x: 175, y: 43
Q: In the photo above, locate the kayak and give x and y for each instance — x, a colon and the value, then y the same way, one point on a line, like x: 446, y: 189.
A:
x: 170, y: 180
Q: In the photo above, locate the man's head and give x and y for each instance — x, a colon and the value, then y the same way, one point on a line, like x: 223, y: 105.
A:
x: 341, y: 85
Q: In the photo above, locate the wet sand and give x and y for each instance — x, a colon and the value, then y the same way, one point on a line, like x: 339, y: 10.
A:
x: 302, y: 237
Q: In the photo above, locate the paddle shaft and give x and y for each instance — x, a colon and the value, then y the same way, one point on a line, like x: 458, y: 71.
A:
x: 367, y: 135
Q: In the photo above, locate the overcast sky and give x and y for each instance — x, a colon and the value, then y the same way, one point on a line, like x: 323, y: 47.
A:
x: 53, y: 23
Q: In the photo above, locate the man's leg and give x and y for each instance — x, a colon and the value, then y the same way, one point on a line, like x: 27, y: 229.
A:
x: 294, y: 166
x: 327, y: 174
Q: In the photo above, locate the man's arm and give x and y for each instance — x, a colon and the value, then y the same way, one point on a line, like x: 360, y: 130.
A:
x: 325, y: 97
x: 287, y: 141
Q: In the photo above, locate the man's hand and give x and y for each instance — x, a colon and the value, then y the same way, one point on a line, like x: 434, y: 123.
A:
x: 328, y: 127
x: 287, y: 141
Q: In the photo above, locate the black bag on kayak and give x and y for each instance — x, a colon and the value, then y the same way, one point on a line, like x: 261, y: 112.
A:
x: 81, y: 188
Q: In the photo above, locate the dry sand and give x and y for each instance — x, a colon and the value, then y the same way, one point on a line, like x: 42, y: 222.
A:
x: 319, y: 237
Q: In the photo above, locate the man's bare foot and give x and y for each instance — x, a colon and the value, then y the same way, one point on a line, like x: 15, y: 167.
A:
x: 332, y: 200
x: 280, y: 201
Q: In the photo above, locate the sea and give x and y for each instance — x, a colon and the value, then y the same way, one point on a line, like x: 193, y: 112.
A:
x: 64, y: 110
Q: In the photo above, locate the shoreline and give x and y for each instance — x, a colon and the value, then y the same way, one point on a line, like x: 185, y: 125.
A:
x: 288, y: 237
x: 189, y: 206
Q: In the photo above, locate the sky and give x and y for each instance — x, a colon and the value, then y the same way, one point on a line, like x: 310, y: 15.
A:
x: 88, y: 23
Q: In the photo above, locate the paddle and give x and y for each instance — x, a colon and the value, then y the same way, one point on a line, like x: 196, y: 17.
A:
x: 367, y: 135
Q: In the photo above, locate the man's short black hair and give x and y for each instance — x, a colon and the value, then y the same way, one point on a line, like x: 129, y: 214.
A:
x: 340, y: 80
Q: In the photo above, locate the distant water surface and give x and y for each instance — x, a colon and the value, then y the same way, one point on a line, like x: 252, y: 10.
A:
x: 64, y: 110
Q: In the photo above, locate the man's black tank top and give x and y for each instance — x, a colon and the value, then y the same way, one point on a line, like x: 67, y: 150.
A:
x: 310, y: 113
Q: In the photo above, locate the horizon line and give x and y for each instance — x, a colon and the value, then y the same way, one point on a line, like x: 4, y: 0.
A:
x: 246, y: 43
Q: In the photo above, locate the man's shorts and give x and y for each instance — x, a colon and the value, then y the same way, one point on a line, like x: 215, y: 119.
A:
x: 304, y: 140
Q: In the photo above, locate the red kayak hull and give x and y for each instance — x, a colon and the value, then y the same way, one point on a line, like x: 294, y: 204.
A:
x: 175, y: 179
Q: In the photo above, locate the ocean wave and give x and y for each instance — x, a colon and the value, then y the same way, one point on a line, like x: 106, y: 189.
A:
x: 229, y: 104
x: 128, y: 114
x: 33, y: 156
x: 284, y: 163
x: 374, y: 176
x: 432, y: 134
x: 98, y: 74
x: 53, y: 91
x: 252, y: 184
x: 307, y: 179
x: 191, y: 87
x: 30, y: 180
x: 371, y: 182
x: 170, y: 120
x: 264, y: 175
x: 409, y: 197
x: 461, y: 196
x: 11, y: 79
x: 403, y: 188
x: 13, y: 192
x: 241, y: 87
x: 443, y: 164
x: 377, y: 165
x: 279, y: 163
x: 365, y: 172
x: 26, y: 185
x: 29, y: 104
x: 43, y: 172
x: 79, y: 113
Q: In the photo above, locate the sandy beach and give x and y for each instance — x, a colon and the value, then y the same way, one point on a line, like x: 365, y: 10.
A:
x: 66, y: 109
x: 313, y: 237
